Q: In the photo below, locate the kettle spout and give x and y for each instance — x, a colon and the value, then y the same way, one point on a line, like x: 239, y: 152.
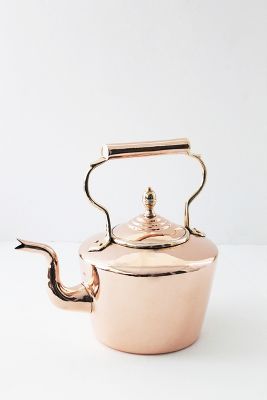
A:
x: 77, y: 298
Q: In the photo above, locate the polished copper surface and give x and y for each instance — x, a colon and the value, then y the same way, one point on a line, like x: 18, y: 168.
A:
x: 149, y: 230
x: 192, y: 255
x: 146, y: 282
x: 141, y: 149
x: 149, y: 201
x: 124, y: 150
x: 77, y: 298
x: 151, y: 315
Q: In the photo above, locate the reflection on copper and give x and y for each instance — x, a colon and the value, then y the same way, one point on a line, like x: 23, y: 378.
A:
x: 77, y: 297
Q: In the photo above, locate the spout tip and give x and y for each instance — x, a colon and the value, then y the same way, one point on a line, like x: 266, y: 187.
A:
x: 21, y: 245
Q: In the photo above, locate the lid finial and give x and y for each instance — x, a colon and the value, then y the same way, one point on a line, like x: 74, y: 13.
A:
x: 149, y: 200
x: 149, y: 230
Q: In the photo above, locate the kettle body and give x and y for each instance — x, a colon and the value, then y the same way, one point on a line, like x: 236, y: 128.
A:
x: 154, y: 309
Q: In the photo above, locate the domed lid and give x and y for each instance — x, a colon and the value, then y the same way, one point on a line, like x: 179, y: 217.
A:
x: 196, y: 253
x: 149, y: 230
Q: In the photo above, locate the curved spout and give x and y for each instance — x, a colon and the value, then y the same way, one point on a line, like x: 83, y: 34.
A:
x: 77, y: 298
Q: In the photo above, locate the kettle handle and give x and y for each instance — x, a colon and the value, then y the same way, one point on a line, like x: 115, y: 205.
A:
x: 142, y: 149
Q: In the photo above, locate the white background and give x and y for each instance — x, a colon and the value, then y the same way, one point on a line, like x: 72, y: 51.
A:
x: 77, y: 74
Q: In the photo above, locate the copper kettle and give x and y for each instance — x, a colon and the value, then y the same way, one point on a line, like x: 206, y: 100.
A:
x: 146, y: 282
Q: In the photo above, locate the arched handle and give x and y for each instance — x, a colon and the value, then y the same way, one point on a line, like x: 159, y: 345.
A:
x: 143, y: 149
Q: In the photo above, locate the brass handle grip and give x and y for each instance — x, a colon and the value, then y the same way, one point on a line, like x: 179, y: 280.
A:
x: 141, y: 149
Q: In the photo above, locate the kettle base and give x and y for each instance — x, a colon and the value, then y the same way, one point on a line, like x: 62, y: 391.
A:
x: 157, y: 351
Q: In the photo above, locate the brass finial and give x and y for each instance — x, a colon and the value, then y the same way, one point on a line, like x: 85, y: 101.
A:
x: 149, y: 200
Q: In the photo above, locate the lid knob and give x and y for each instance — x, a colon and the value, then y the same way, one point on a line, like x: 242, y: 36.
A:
x: 149, y: 201
x: 148, y: 230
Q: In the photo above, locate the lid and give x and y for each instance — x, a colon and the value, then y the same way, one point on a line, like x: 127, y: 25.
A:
x: 149, y: 230
x: 194, y: 255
